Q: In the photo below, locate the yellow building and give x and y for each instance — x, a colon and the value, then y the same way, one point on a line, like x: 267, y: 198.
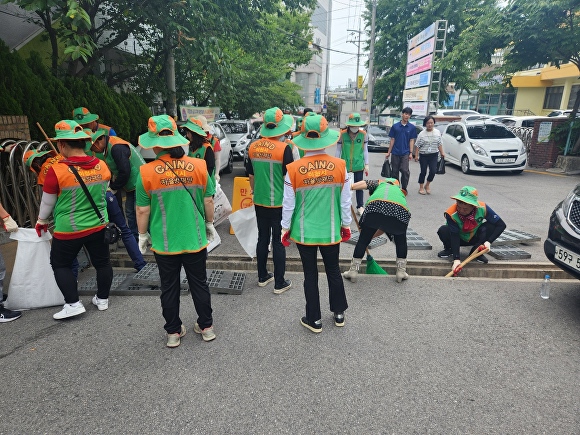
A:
x: 545, y: 89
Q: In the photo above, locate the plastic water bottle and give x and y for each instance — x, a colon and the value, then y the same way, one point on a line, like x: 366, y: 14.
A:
x: 545, y: 287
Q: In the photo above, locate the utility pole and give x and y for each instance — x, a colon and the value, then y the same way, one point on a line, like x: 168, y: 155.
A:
x: 357, y: 57
x: 371, y: 74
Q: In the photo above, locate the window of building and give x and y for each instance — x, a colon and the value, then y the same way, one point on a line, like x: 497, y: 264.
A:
x: 573, y: 94
x: 319, y: 18
x: 553, y: 97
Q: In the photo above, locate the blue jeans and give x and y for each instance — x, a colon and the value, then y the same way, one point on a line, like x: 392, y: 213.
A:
x: 116, y: 216
x: 131, y: 214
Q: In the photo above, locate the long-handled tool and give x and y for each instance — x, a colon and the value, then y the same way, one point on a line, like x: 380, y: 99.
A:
x: 472, y: 256
x: 373, y: 267
x: 46, y: 137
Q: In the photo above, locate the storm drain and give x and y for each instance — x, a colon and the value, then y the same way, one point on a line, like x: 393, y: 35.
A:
x: 89, y: 286
x: 508, y: 252
x: 377, y: 241
x: 414, y: 241
x: 509, y: 237
x: 225, y: 282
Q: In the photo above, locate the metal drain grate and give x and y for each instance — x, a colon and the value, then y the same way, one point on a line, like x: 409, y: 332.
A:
x: 225, y: 282
x: 509, y: 237
x: 414, y: 241
x: 509, y: 252
x: 149, y: 275
x: 89, y: 286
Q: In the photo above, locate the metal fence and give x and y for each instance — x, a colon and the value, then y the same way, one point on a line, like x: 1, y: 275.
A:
x: 19, y: 192
x: 525, y: 134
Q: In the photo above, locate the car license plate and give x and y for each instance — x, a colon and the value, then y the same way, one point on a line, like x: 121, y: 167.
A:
x: 566, y: 257
x: 505, y: 160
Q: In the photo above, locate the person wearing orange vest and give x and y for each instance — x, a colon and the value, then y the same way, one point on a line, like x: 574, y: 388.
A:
x: 386, y: 211
x: 123, y: 160
x: 352, y: 147
x: 89, y: 120
x: 175, y: 203
x: 316, y: 216
x: 199, y: 146
x: 76, y: 223
x: 10, y: 226
x: 214, y: 142
x: 266, y: 166
x: 469, y: 222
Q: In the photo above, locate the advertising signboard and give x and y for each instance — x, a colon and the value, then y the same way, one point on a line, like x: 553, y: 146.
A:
x: 211, y: 113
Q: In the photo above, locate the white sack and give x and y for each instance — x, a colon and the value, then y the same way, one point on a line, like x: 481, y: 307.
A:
x: 246, y: 229
x: 221, y: 206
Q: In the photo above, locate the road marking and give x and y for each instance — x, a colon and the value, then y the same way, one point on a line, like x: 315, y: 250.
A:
x: 545, y: 173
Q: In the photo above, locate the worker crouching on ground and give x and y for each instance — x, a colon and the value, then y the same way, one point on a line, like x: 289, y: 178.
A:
x: 469, y: 223
x: 174, y: 203
x: 316, y: 216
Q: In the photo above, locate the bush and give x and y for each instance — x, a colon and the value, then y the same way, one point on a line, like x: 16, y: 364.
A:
x: 560, y: 135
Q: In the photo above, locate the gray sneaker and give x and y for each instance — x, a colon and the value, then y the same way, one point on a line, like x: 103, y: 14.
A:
x: 207, y: 334
x: 174, y: 340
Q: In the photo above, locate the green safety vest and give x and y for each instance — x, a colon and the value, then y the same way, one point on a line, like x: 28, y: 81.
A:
x: 353, y: 152
x: 389, y: 193
x: 136, y: 161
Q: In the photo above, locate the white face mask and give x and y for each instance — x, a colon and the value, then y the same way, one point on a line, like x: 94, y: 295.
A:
x: 353, y: 129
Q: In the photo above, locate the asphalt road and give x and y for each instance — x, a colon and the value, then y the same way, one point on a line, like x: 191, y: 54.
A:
x: 430, y: 355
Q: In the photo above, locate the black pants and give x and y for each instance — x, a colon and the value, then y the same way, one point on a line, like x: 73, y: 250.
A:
x: 358, y: 176
x: 478, y: 238
x: 428, y: 161
x: 169, y: 273
x: 367, y: 232
x: 401, y: 164
x: 270, y: 226
x: 64, y: 252
x: 336, y: 292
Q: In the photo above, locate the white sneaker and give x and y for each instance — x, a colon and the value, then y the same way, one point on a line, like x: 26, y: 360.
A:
x: 207, y: 334
x: 69, y: 311
x: 101, y: 304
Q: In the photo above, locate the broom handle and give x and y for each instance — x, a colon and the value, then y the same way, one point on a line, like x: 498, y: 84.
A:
x: 46, y: 137
x: 472, y: 256
x: 358, y: 226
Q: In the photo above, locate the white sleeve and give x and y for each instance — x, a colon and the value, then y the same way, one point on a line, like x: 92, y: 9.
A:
x: 47, y: 204
x: 295, y: 153
x: 345, y: 203
x: 288, y: 203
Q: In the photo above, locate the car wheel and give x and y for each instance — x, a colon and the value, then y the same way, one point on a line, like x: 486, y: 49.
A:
x: 230, y: 167
x: 465, y: 165
x: 519, y: 171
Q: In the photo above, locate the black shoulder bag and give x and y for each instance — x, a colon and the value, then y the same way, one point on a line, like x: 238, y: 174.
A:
x: 112, y: 231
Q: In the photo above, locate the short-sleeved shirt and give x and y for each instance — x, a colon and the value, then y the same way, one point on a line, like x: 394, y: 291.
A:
x: 402, y: 135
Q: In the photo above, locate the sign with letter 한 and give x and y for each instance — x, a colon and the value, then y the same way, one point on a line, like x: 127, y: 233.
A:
x: 242, y: 196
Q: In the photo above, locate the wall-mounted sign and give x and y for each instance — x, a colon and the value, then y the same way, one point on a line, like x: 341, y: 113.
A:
x: 544, y: 131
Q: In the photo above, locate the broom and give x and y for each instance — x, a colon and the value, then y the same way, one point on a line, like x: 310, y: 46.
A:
x: 373, y: 267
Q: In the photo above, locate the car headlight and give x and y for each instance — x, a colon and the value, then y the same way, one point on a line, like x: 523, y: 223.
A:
x: 567, y: 203
x: 371, y: 137
x: 478, y: 149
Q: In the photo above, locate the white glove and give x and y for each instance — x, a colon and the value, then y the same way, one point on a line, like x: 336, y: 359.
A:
x: 367, y: 170
x: 144, y: 241
x: 217, y: 178
x: 114, y: 192
x: 455, y: 264
x: 209, y: 231
x: 10, y: 224
x: 487, y: 245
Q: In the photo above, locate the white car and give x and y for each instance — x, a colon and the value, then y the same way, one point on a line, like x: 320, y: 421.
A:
x: 456, y: 112
x: 520, y: 121
x: 226, y: 154
x: 239, y: 133
x: 483, y: 146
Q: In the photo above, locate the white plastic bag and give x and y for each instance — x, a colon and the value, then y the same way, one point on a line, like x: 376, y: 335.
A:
x: 215, y: 242
x: 221, y: 206
x: 246, y: 229
x: 32, y: 284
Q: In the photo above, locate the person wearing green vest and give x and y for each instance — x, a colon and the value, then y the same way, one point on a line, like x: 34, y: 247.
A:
x: 300, y: 152
x: 123, y: 161
x: 316, y: 216
x: 199, y: 145
x: 469, y: 222
x: 76, y: 223
x: 175, y: 203
x: 387, y: 212
x: 352, y: 147
x: 266, y: 166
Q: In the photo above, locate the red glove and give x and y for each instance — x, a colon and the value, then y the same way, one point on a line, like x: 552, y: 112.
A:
x: 344, y: 233
x: 41, y: 225
x: 481, y: 248
x: 286, y: 237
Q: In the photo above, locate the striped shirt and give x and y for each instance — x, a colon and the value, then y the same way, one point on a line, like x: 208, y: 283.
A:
x: 428, y: 142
